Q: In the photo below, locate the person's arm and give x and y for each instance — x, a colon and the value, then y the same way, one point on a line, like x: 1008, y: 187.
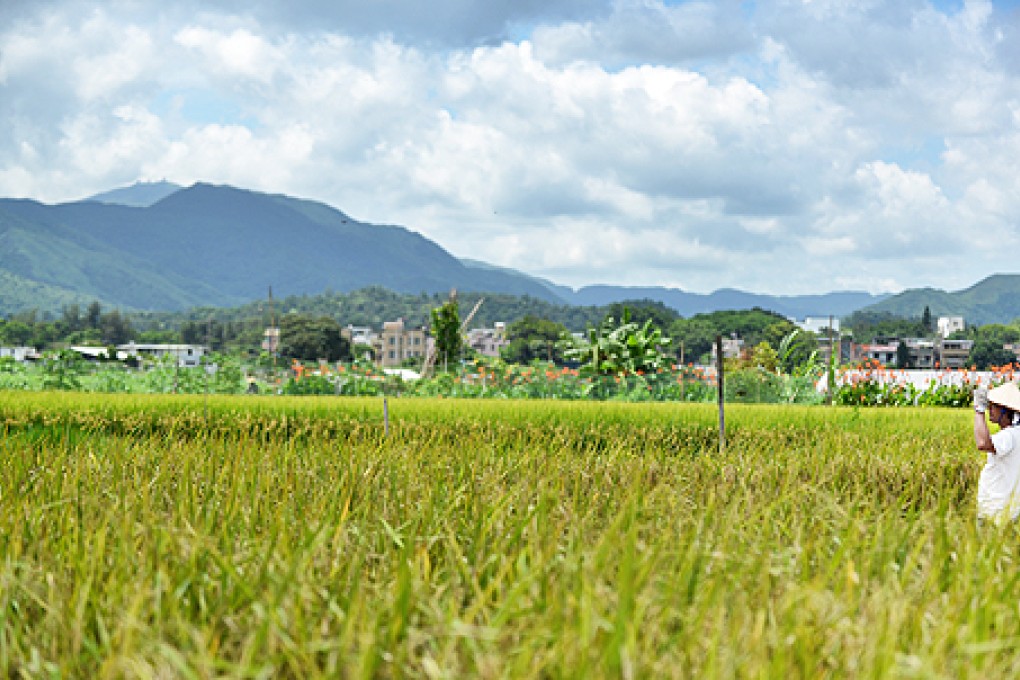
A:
x: 982, y: 437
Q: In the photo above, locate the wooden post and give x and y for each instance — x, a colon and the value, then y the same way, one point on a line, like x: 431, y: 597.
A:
x: 719, y: 385
x: 828, y: 369
x: 208, y: 340
x: 682, y: 397
x: 386, y: 417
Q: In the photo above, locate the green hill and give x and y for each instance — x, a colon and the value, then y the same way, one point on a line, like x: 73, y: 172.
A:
x: 158, y: 247
x: 221, y: 246
x: 995, y: 299
x: 18, y: 293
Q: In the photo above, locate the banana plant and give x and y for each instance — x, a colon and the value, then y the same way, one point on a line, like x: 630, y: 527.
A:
x: 618, y: 348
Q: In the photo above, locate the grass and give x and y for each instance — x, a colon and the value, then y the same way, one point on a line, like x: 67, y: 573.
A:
x: 266, y: 537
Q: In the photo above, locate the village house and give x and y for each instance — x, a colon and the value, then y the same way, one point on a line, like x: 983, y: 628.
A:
x: 922, y: 352
x: 847, y: 350
x: 398, y: 343
x: 361, y: 337
x: 488, y: 341
x: 954, y: 353
x: 947, y: 325
x: 883, y: 353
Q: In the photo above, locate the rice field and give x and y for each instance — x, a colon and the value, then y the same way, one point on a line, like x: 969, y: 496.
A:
x: 151, y: 536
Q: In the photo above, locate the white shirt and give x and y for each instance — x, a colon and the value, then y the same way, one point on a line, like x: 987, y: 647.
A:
x: 998, y: 492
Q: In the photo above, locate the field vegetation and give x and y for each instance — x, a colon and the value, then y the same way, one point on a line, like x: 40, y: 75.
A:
x: 195, y: 536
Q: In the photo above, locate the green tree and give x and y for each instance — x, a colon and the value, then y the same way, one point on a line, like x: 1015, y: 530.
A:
x: 694, y: 337
x: 114, y: 328
x: 986, y: 353
x: 16, y: 333
x: 309, y: 338
x: 533, y: 338
x: 902, y: 355
x: 619, y: 348
x: 93, y: 313
x: 989, y: 344
x: 926, y: 320
x: 159, y: 337
x: 62, y: 369
x: 697, y: 334
x: 71, y: 319
x: 868, y: 327
x: 765, y: 357
x: 446, y: 331
x: 641, y: 311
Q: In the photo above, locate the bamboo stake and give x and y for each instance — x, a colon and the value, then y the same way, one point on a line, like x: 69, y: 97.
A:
x: 719, y: 385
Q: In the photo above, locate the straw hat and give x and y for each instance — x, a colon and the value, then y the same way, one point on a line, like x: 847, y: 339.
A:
x: 1007, y: 395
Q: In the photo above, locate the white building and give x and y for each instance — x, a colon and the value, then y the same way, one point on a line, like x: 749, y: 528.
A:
x: 488, y: 341
x: 948, y: 325
x: 731, y: 348
x: 271, y: 340
x: 92, y: 352
x: 19, y: 353
x: 360, y: 335
x: 818, y: 324
x: 187, y: 355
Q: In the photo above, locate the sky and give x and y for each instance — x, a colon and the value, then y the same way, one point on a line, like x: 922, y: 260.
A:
x: 784, y: 147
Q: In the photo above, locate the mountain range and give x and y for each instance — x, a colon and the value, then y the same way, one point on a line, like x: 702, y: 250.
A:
x: 995, y: 299
x: 160, y: 246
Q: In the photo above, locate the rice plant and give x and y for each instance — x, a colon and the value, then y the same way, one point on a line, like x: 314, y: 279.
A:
x: 174, y: 536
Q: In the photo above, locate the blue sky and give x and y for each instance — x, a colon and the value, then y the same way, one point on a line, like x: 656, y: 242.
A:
x: 786, y: 147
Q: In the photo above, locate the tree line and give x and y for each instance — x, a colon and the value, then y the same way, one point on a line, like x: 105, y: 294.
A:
x: 311, y: 325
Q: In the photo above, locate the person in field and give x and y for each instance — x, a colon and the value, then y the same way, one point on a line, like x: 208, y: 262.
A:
x: 998, y: 497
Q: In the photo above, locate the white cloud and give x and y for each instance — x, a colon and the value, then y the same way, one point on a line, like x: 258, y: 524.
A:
x: 638, y: 32
x: 700, y: 145
x: 238, y: 53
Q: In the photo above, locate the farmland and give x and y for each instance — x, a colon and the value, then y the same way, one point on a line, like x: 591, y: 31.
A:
x: 191, y: 536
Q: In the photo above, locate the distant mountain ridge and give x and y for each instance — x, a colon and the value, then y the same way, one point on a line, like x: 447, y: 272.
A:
x: 835, y: 304
x: 138, y: 195
x: 159, y: 246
